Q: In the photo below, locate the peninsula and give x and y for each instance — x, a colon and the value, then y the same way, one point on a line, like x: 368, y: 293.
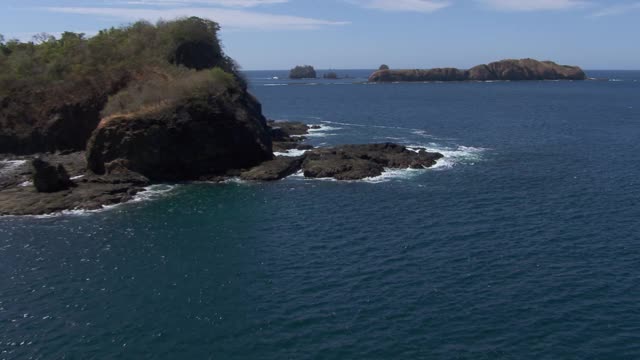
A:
x: 89, y: 122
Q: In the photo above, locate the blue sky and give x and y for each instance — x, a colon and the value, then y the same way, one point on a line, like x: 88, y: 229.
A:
x: 352, y: 34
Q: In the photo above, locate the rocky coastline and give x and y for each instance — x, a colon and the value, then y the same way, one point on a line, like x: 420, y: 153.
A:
x: 83, y: 140
x: 117, y: 184
x: 504, y: 70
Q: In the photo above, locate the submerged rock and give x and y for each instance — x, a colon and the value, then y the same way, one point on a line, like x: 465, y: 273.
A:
x: 515, y: 70
x: 48, y: 178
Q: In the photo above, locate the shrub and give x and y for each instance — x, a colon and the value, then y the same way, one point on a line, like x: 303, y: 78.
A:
x: 161, y: 90
x: 73, y: 57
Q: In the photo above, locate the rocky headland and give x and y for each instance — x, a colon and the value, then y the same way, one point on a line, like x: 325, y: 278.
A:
x: 505, y: 70
x: 89, y: 138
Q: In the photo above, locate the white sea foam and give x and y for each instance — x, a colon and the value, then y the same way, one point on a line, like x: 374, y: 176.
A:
x: 322, y: 131
x: 452, y: 156
x: 9, y: 166
x: 421, y: 132
x: 26, y: 184
x: 153, y: 192
x: 275, y: 84
x: 291, y: 153
x: 394, y: 174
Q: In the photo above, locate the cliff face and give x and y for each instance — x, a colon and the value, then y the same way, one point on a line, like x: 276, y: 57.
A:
x: 54, y: 118
x: 183, y: 141
x: 514, y: 70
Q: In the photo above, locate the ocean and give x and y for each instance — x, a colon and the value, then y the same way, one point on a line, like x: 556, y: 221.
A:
x: 522, y: 243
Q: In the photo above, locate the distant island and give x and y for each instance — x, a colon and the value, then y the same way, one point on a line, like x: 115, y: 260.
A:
x: 512, y: 70
x: 303, y: 72
x: 332, y: 75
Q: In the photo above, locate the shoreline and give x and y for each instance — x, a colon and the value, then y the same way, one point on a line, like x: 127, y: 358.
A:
x: 90, y: 192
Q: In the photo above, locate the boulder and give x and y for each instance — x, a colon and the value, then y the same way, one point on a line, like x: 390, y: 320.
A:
x: 48, y: 178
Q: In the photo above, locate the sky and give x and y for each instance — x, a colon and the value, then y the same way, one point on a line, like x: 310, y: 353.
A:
x: 362, y: 34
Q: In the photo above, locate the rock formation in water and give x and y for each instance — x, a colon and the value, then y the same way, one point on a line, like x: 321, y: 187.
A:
x: 48, y: 178
x: 303, y: 72
x: 355, y: 162
x: 513, y: 70
x: 343, y: 162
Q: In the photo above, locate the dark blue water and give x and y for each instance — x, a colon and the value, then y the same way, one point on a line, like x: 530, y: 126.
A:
x: 524, y: 243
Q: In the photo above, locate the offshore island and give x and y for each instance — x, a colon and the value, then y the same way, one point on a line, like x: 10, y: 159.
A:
x: 90, y: 122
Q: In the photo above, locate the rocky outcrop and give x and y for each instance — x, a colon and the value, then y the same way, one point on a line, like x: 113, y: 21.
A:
x: 184, y: 141
x: 276, y: 169
x: 355, y: 162
x: 288, y: 135
x: 48, y: 178
x: 513, y: 70
x: 303, y: 72
x: 345, y: 162
x: 89, y: 191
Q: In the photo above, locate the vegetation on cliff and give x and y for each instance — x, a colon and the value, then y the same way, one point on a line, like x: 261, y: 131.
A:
x: 53, y: 91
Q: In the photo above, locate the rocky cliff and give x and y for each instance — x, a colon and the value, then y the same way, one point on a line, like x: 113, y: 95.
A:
x: 513, y: 70
x: 197, y: 136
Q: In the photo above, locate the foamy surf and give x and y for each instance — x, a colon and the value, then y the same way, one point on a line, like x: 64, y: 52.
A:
x: 153, y: 192
x: 394, y: 174
x: 290, y: 153
x: 452, y: 156
x: 9, y: 166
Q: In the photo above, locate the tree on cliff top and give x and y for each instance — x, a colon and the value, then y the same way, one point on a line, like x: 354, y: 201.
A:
x: 106, y: 57
x: 383, y: 67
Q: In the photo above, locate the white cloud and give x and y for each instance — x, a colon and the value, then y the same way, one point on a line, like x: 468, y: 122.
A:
x: 533, y: 5
x: 225, y: 3
x: 617, y: 10
x: 227, y: 18
x: 424, y: 6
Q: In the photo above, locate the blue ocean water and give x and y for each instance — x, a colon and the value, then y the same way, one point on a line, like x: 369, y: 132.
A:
x: 523, y: 243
